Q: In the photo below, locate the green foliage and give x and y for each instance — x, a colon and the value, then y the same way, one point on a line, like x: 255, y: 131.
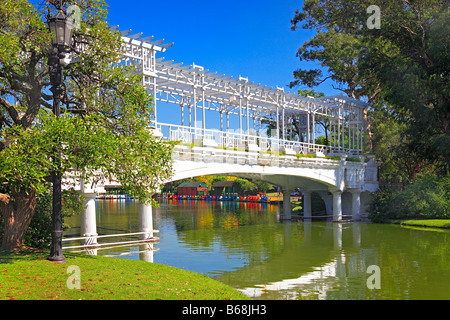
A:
x: 39, y: 233
x: 322, y: 140
x: 428, y: 197
x: 401, y: 69
x: 106, y: 113
x: 246, y: 187
x: 111, y: 138
x: 301, y: 155
x: 89, y: 145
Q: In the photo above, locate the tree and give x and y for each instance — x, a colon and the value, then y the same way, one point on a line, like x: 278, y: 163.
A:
x: 105, y: 118
x: 401, y: 69
x: 410, y: 59
x: 297, y: 130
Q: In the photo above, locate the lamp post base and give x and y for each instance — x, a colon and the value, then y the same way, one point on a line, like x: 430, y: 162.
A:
x: 56, y: 259
x: 56, y: 254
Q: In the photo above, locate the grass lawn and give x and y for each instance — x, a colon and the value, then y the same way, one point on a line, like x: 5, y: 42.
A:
x: 432, y: 223
x: 29, y: 276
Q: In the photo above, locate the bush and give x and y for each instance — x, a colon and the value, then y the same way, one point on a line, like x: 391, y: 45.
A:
x: 308, y: 155
x: 385, y: 206
x: 39, y: 233
x: 427, y: 198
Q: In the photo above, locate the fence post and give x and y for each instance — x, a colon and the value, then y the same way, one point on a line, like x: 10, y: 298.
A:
x: 89, y: 220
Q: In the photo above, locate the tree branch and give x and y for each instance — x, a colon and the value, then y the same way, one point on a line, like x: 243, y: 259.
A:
x: 46, y: 104
x: 12, y: 112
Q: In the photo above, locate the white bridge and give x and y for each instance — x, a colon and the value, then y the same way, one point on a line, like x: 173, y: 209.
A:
x: 287, y: 155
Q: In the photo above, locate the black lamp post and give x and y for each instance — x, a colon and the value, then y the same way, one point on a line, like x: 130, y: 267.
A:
x: 62, y: 28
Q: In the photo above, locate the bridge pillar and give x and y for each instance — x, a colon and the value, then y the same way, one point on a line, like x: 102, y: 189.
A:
x: 337, y: 205
x: 145, y: 221
x: 287, y: 209
x: 307, y: 204
x: 88, y: 225
x: 356, y: 204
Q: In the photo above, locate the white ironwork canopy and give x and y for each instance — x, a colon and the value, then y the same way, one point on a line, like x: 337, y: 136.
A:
x: 195, y: 87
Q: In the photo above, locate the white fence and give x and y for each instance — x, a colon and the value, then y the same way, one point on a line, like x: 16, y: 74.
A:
x: 241, y: 141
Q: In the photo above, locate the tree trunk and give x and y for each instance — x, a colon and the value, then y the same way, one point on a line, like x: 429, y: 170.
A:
x: 17, y: 216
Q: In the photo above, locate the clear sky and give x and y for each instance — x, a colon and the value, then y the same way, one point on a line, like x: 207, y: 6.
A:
x: 248, y: 38
x: 251, y: 38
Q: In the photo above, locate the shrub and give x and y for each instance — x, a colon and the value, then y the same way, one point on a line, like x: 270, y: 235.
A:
x: 308, y: 155
x: 354, y: 159
x: 427, y: 198
x: 39, y: 233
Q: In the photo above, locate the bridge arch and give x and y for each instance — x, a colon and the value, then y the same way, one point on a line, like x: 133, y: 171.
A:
x: 318, y: 179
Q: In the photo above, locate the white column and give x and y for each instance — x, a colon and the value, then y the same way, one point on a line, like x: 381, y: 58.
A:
x: 356, y: 205
x: 313, y: 138
x: 182, y: 114
x: 307, y: 204
x: 203, y: 112
x: 287, y: 210
x: 240, y: 116
x: 278, y: 123
x: 343, y: 131
x: 194, y: 105
x: 248, y: 116
x: 337, y: 205
x: 190, y: 116
x: 339, y: 135
x: 308, y: 129
x: 154, y: 102
x: 145, y: 221
x: 259, y: 126
x: 88, y: 223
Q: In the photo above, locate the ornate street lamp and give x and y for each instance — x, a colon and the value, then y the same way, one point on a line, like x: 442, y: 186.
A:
x: 62, y: 28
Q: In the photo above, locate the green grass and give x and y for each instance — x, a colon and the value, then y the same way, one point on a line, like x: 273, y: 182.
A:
x: 29, y: 276
x: 432, y: 223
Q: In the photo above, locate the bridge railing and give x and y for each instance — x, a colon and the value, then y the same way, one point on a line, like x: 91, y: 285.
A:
x: 246, y: 142
x: 235, y: 140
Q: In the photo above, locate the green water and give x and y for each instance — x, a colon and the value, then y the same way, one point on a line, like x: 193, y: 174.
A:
x: 247, y: 247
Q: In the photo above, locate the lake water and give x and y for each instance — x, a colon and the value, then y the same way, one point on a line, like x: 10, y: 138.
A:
x: 246, y: 246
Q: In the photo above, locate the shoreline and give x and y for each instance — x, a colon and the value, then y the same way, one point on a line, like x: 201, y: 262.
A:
x: 27, y: 275
x: 424, y: 223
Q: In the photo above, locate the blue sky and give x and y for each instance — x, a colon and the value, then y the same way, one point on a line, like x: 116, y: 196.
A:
x: 245, y: 38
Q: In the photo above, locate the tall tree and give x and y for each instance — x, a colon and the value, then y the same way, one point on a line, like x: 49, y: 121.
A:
x: 104, y: 129
x: 400, y: 68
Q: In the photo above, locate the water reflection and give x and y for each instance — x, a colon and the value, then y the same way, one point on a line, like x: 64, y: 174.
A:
x: 316, y: 266
x: 246, y: 246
